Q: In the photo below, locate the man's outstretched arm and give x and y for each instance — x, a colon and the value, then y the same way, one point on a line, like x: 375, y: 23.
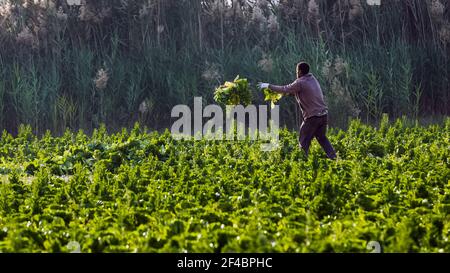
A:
x: 289, y: 89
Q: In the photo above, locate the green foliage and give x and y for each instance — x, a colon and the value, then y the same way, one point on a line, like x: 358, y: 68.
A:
x: 271, y: 96
x: 134, y: 191
x: 51, y: 53
x: 233, y: 93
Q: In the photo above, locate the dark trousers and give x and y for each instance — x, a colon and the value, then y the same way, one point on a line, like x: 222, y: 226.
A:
x: 316, y: 127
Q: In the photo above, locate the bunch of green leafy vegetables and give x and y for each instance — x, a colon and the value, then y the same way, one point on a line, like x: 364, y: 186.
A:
x: 234, y: 93
x: 271, y: 96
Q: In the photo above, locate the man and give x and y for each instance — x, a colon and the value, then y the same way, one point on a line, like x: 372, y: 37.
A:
x: 308, y: 93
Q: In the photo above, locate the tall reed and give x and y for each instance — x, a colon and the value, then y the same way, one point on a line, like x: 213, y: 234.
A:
x: 159, y: 53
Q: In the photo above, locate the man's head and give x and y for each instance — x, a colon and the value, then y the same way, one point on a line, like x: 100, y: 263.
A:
x: 302, y: 69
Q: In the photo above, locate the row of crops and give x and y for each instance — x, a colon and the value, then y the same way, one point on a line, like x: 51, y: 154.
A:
x: 139, y: 191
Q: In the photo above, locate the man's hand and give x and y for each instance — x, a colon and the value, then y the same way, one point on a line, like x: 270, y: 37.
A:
x: 262, y: 85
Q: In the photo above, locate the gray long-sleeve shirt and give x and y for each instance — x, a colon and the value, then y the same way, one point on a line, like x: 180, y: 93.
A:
x: 308, y: 94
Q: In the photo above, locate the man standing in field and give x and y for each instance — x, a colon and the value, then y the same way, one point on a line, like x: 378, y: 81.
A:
x: 308, y: 93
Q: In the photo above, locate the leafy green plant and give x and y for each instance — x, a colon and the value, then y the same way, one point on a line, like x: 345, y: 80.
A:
x: 233, y: 93
x: 135, y: 191
x: 271, y: 96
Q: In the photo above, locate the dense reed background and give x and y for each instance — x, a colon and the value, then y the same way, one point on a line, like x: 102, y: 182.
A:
x: 77, y: 64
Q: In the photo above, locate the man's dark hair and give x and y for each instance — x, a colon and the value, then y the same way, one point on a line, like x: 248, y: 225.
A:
x: 303, y: 67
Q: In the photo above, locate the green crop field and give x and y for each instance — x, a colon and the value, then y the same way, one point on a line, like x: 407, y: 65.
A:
x: 138, y: 191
